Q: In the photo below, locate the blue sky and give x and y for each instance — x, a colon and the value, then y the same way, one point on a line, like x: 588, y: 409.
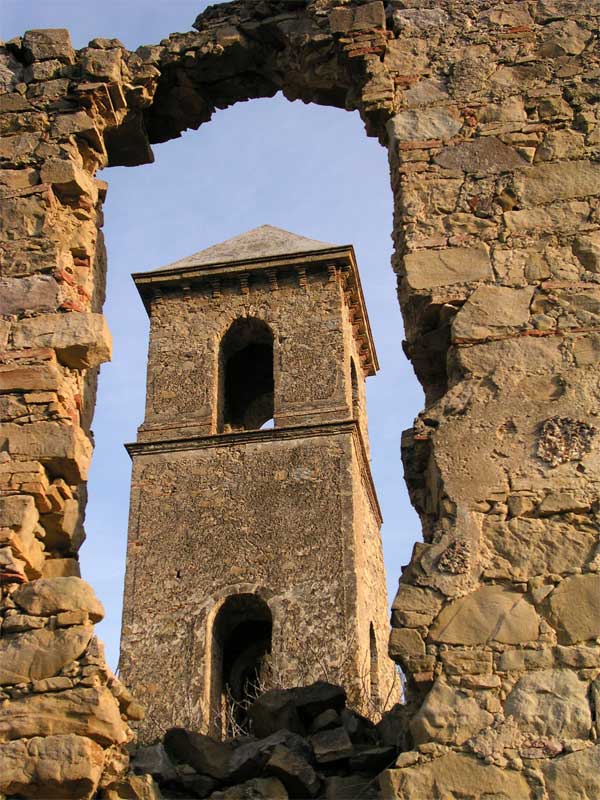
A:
x: 307, y: 169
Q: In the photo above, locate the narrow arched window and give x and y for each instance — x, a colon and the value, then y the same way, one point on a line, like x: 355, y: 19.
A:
x: 355, y: 394
x: 241, y: 638
x: 246, y: 379
x: 374, y: 672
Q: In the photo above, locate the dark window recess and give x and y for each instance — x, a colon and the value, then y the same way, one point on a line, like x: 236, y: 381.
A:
x: 247, y: 375
x: 355, y: 394
x: 374, y: 671
x: 242, y: 638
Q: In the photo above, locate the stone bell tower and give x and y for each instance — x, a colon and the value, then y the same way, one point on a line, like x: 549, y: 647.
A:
x: 254, y: 552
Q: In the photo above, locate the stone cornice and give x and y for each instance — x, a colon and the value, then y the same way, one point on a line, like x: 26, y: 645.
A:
x: 342, y: 258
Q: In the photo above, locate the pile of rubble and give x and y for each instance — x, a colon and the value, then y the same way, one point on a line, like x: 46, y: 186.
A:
x: 306, y: 743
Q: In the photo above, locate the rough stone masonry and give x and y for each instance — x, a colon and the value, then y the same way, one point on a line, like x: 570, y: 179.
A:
x: 490, y: 114
x: 254, y: 557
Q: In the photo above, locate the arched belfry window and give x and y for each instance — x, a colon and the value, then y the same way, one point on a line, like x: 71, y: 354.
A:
x: 246, y: 380
x: 241, y: 639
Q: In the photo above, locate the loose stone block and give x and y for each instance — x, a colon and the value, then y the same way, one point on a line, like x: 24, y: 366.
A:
x: 67, y: 179
x: 408, y: 57
x: 454, y: 774
x: 19, y: 623
x: 433, y: 123
x: 41, y: 653
x: 332, y: 745
x: 29, y: 378
x: 64, y: 529
x: 551, y: 702
x: 576, y: 775
x: 63, y: 448
x: 48, y: 596
x: 294, y: 771
x: 257, y: 789
x: 414, y: 606
x: 18, y: 512
x: 81, y: 340
x: 520, y: 660
x: 573, y: 609
x: 61, y: 568
x: 564, y: 38
x: 523, y: 547
x: 587, y: 250
x: 18, y: 522
x: 578, y: 657
x: 368, y: 16
x: 406, y: 643
x: 78, y: 124
x: 547, y: 183
x: 429, y: 268
x: 25, y: 547
x: 84, y: 712
x: 18, y: 178
x: 104, y: 65
x: 512, y: 15
x: 469, y: 662
x: 23, y: 217
x: 448, y: 716
x: 18, y: 149
x: 12, y: 568
x: 36, y: 293
x: 491, y: 311
x: 527, y: 355
x: 486, y: 155
x: 51, y: 767
x: 4, y: 333
x: 205, y: 755
x: 559, y: 216
x: 47, y: 43
x: 491, y: 613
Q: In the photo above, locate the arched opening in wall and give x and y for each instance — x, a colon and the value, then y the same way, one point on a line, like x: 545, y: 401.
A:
x: 373, y: 668
x: 355, y: 394
x: 241, y: 638
x: 246, y: 385
x: 267, y: 161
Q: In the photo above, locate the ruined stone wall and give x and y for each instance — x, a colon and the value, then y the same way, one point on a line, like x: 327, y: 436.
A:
x: 489, y: 112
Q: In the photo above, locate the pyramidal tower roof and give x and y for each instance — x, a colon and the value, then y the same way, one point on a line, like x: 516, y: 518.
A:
x: 266, y: 241
x: 269, y: 250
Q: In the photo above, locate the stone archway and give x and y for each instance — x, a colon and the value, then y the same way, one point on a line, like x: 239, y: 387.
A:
x: 488, y: 114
